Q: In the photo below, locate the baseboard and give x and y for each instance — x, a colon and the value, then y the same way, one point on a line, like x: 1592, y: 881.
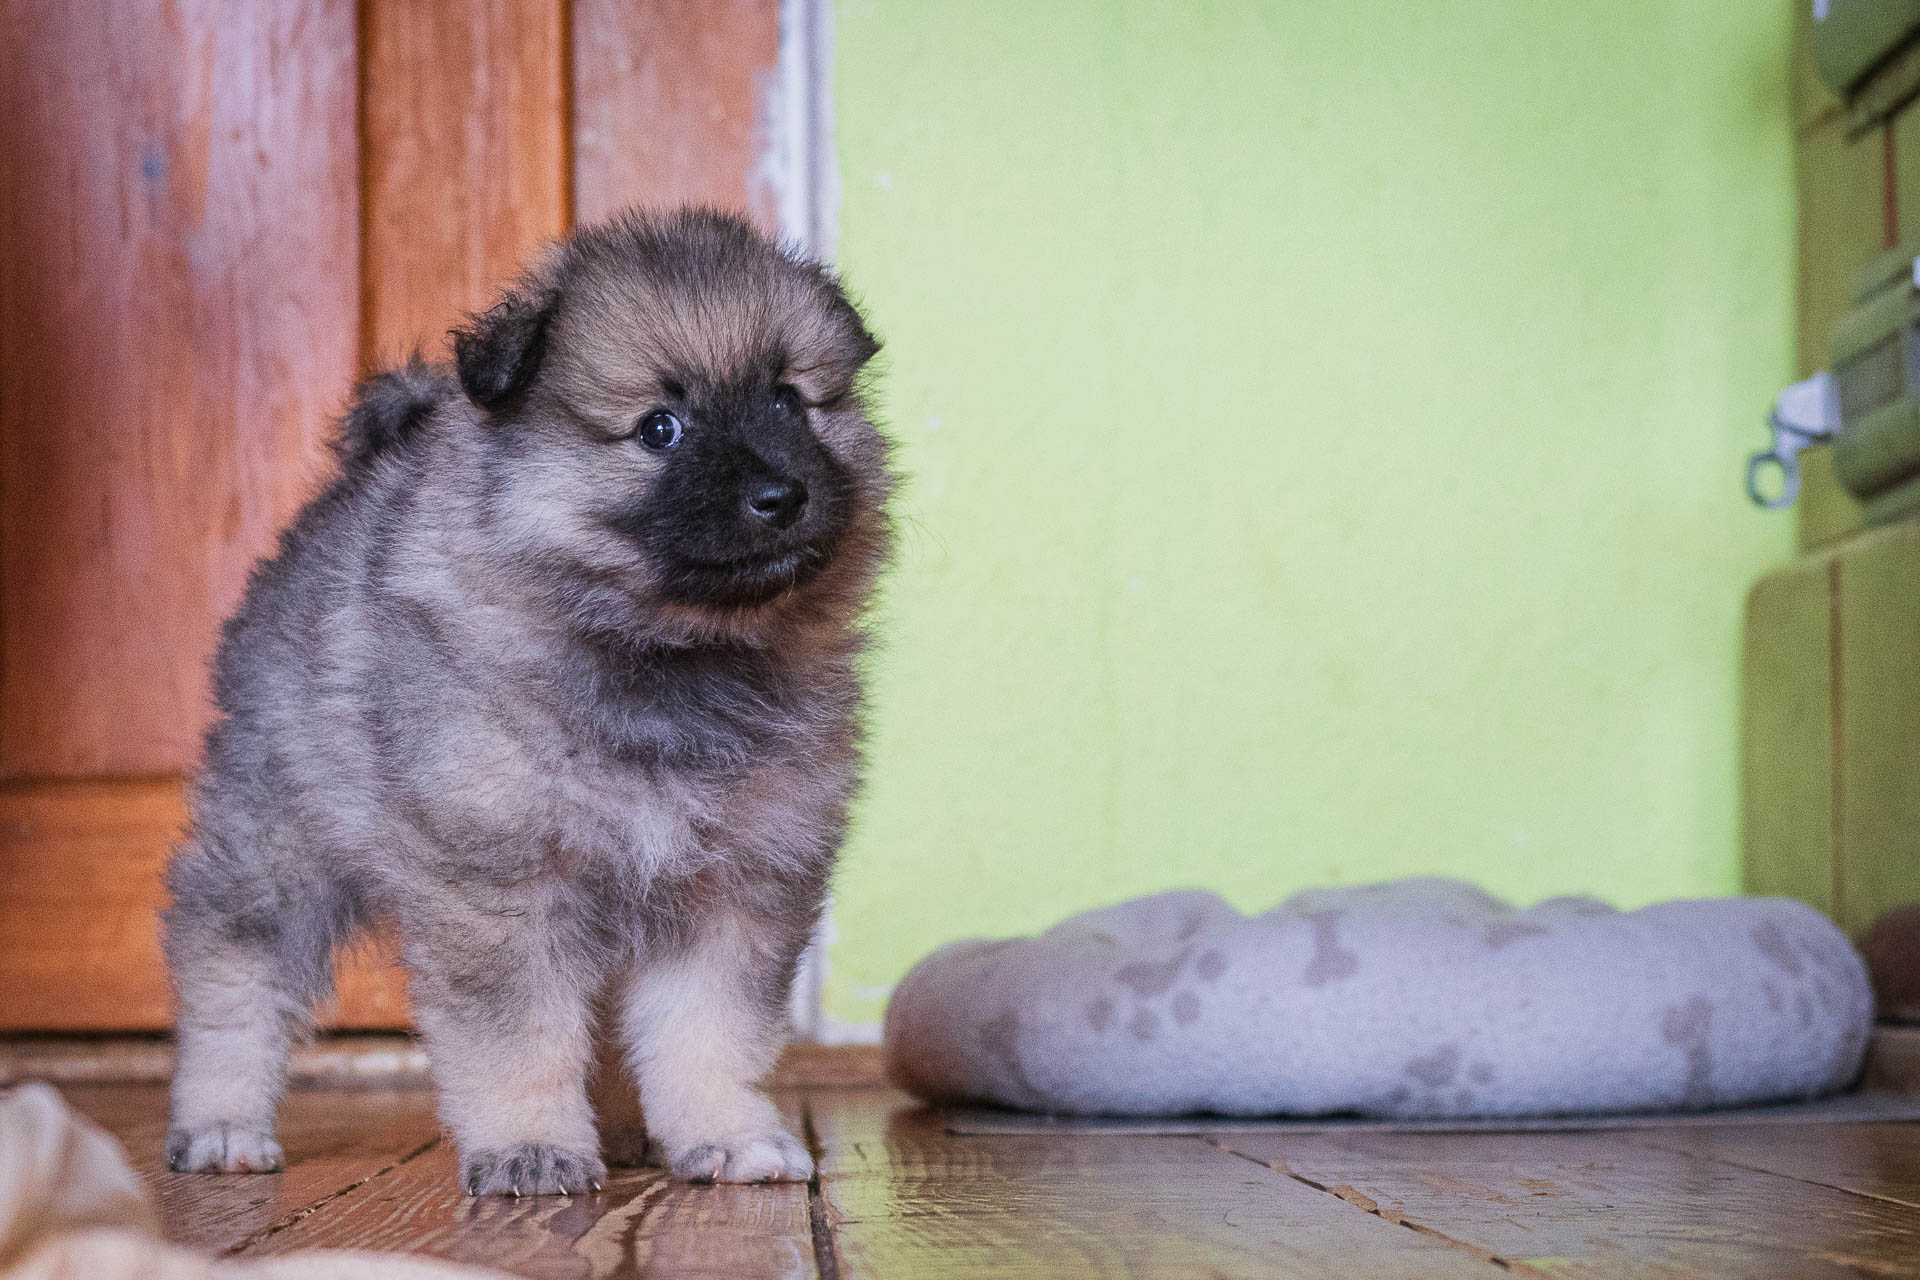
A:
x: 352, y: 1060
x: 1893, y: 1058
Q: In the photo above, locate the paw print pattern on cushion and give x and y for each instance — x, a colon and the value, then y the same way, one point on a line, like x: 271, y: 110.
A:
x: 1413, y: 998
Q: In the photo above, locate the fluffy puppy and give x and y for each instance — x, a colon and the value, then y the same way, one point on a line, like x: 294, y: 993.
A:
x: 559, y: 675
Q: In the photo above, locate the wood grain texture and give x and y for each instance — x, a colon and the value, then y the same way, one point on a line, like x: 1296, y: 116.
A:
x: 79, y: 900
x: 80, y: 896
x: 900, y: 1197
x: 1786, y: 735
x: 1598, y: 1205
x: 333, y: 1142
x: 177, y: 321
x: 641, y: 1224
x: 463, y: 158
x: 670, y: 104
x: 903, y: 1198
x: 1877, y: 1160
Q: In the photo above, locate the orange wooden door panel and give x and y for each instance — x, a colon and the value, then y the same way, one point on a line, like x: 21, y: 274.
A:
x: 212, y: 214
x: 80, y: 901
x: 463, y: 160
x: 672, y: 105
x: 177, y: 321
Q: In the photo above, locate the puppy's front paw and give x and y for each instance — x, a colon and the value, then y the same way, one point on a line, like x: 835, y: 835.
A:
x: 531, y: 1169
x: 763, y: 1157
x: 222, y: 1148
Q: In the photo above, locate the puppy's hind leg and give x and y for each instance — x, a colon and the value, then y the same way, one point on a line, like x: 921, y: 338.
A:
x: 246, y: 985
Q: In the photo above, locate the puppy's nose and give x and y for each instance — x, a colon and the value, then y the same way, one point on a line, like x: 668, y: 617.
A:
x: 779, y: 502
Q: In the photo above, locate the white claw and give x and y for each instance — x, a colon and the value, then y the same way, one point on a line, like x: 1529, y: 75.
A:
x: 516, y: 1193
x: 596, y: 1184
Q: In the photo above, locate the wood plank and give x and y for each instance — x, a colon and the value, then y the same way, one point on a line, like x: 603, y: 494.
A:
x: 359, y: 1060
x: 79, y: 900
x: 333, y: 1140
x: 1842, y: 228
x: 641, y: 1224
x: 80, y: 896
x: 902, y: 1198
x: 463, y: 160
x: 1893, y: 1060
x: 804, y: 1065
x: 1881, y: 1160
x: 1786, y: 739
x: 380, y: 1060
x: 1598, y: 1205
x: 1879, y: 821
x: 178, y: 303
x: 670, y: 104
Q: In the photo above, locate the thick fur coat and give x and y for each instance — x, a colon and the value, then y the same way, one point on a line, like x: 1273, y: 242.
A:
x: 560, y: 676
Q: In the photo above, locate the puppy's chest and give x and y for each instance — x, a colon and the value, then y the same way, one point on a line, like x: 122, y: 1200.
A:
x: 599, y: 816
x: 637, y: 783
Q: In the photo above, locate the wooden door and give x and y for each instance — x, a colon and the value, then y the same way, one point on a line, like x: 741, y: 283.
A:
x: 213, y: 215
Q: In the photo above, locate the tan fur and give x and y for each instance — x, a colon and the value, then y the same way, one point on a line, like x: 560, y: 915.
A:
x: 568, y: 708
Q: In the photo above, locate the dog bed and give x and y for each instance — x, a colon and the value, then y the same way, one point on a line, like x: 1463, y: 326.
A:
x: 1414, y: 998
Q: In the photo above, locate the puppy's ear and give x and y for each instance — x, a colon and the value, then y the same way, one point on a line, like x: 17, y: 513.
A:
x: 857, y: 340
x: 499, y: 351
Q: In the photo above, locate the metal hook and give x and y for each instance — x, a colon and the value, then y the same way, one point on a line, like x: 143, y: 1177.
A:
x: 1789, y: 467
x: 1804, y: 414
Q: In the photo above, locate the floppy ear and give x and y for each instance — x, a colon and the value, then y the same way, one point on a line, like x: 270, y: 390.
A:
x: 499, y: 350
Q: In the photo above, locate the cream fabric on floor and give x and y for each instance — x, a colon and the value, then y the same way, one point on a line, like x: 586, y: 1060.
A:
x: 71, y: 1208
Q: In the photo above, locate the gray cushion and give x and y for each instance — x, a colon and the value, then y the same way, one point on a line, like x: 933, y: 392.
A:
x: 1414, y: 998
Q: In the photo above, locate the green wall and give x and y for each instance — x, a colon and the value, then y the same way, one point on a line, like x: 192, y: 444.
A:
x: 1325, y: 425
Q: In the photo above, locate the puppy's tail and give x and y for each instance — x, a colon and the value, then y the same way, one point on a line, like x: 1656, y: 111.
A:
x: 388, y: 408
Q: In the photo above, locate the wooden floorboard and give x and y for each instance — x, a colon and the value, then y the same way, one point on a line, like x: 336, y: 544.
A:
x: 1604, y: 1205
x: 640, y: 1225
x: 1880, y: 1160
x: 333, y: 1140
x: 902, y: 1198
x: 899, y: 1197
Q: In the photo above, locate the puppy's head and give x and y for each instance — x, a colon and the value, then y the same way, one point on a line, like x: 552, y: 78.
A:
x: 675, y: 419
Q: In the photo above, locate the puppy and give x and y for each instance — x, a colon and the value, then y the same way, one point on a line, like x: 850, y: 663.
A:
x: 560, y: 676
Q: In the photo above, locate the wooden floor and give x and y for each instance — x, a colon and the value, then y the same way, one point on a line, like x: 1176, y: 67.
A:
x: 897, y: 1197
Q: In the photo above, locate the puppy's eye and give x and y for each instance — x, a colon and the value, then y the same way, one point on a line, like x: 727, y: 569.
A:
x: 787, y: 400
x: 660, y: 430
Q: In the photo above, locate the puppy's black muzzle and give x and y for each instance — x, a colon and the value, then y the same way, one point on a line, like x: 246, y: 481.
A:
x: 748, y: 506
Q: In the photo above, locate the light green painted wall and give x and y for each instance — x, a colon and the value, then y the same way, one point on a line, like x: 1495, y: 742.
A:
x: 1325, y: 424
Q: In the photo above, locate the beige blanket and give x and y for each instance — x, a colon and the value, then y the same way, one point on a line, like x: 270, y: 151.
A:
x: 72, y: 1208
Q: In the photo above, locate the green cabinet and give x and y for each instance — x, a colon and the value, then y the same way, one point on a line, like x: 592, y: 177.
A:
x: 1831, y: 732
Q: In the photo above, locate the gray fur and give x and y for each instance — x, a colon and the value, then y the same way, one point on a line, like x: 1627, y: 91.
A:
x: 466, y: 696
